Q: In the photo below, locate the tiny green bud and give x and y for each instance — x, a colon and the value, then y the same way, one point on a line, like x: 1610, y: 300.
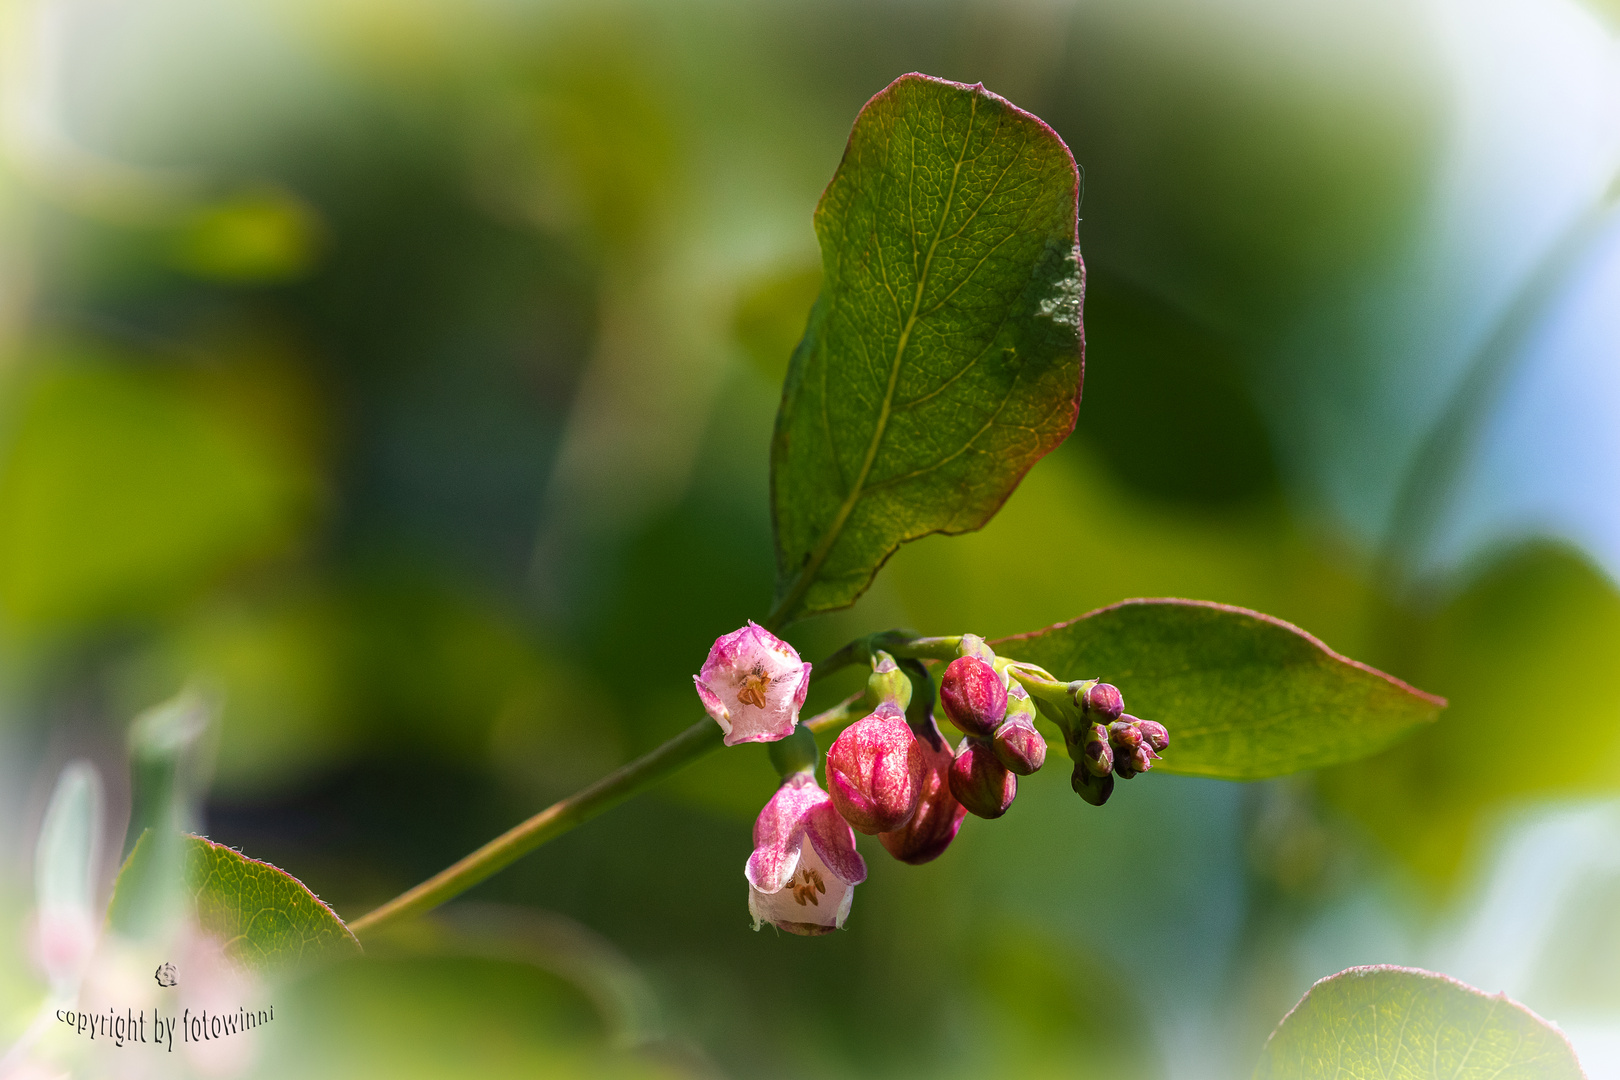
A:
x: 887, y: 684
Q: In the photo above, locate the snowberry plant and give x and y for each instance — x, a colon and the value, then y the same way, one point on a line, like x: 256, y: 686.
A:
x: 943, y: 358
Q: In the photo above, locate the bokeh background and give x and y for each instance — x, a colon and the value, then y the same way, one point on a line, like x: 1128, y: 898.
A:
x: 404, y: 371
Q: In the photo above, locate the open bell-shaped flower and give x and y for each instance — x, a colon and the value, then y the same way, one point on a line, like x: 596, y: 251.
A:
x: 753, y: 684
x: 875, y: 771
x: 804, y: 869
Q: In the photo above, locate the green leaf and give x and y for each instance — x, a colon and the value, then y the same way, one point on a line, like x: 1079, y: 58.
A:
x: 1416, y: 1025
x: 943, y: 357
x: 270, y: 922
x: 1245, y: 696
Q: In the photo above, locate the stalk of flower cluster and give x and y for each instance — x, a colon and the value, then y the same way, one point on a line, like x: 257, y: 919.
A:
x: 631, y: 779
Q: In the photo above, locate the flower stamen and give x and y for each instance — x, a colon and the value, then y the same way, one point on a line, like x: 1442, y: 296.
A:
x: 754, y: 685
x: 805, y: 891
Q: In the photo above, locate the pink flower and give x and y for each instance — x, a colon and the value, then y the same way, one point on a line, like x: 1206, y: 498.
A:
x: 753, y: 684
x: 804, y: 869
x: 875, y: 772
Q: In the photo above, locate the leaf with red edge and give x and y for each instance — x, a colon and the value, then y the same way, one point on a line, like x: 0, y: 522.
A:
x: 1245, y: 695
x: 943, y: 357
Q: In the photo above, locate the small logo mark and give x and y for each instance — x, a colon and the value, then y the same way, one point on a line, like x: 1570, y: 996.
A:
x: 166, y: 975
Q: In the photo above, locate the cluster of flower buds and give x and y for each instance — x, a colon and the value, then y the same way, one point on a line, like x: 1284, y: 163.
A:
x: 1109, y: 742
x: 891, y: 773
x: 996, y: 717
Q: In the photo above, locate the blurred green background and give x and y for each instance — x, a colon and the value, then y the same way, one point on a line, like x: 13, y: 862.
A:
x: 407, y: 370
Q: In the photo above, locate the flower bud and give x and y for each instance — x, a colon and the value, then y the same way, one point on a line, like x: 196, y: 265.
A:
x: 1141, y: 759
x: 1154, y: 734
x: 887, y: 684
x: 1091, y: 787
x: 1124, y: 736
x: 980, y: 782
x: 875, y: 772
x: 1103, y: 703
x: 974, y: 697
x: 1096, y: 753
x: 1018, y: 745
x: 939, y: 816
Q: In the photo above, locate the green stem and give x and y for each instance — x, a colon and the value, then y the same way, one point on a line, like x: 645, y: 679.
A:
x: 700, y: 739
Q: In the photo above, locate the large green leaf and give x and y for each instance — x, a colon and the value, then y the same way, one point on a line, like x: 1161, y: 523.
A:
x: 1245, y: 696
x: 269, y: 921
x: 943, y: 357
x: 1415, y: 1025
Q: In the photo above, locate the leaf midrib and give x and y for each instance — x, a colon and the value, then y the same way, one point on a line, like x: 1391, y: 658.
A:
x: 807, y: 573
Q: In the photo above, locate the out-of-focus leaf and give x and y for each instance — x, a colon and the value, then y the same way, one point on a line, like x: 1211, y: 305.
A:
x: 943, y: 357
x: 267, y: 919
x: 770, y: 317
x: 1245, y: 695
x: 1532, y: 639
x: 261, y: 236
x: 1402, y: 1022
x: 123, y: 487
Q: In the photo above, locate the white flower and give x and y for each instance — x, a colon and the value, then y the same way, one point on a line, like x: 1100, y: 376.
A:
x: 753, y: 684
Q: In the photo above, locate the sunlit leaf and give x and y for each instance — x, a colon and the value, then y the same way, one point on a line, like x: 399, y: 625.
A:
x: 1245, y: 695
x: 1416, y: 1025
x: 266, y: 918
x: 943, y: 357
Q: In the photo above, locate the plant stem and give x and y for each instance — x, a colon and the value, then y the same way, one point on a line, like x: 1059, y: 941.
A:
x: 701, y: 738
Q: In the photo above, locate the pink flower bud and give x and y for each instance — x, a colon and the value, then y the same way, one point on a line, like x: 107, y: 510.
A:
x: 1103, y: 703
x: 974, y: 697
x: 804, y: 869
x: 1096, y: 753
x: 753, y: 684
x: 1154, y: 734
x: 875, y: 772
x: 980, y: 782
x: 1018, y: 745
x: 939, y: 816
x: 1124, y: 736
